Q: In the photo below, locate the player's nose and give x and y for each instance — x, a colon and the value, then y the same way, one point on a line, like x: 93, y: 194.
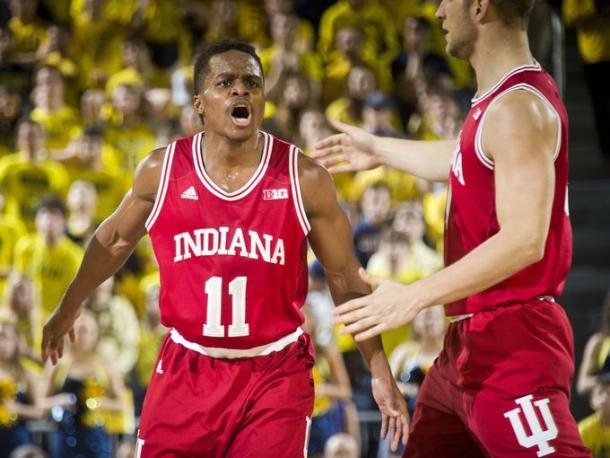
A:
x: 239, y: 89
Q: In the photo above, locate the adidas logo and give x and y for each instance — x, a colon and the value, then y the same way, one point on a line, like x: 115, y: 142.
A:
x: 190, y: 194
x: 477, y: 114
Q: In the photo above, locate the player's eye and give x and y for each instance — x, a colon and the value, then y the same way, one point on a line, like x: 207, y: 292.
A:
x: 224, y: 83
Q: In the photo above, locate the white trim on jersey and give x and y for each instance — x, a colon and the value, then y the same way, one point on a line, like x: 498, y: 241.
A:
x: 296, y: 189
x: 162, y: 189
x: 232, y: 353
x: 478, y: 144
x: 246, y: 188
x: 535, y: 66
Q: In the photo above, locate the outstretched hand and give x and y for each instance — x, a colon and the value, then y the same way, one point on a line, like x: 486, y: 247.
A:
x: 393, y: 408
x: 53, y: 334
x: 389, y: 306
x: 351, y: 150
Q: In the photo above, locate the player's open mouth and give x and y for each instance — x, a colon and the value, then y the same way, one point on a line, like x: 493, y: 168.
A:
x: 240, y: 114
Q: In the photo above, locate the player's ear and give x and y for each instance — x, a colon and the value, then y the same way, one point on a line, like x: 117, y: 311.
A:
x: 198, y: 105
x: 482, y: 8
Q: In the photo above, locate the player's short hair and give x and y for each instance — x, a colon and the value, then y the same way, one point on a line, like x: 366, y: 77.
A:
x: 203, y: 59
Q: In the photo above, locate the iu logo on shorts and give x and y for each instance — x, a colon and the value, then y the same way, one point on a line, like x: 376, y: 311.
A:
x: 540, y: 435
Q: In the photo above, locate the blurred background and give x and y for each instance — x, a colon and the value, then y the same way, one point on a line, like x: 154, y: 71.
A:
x: 89, y: 87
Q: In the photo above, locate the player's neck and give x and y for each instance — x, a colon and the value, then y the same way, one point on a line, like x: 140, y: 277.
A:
x: 493, y: 59
x: 219, y: 151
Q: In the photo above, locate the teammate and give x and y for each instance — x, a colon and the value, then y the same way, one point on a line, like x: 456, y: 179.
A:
x: 229, y: 212
x: 501, y: 384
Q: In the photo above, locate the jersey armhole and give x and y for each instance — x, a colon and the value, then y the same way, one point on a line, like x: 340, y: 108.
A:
x: 478, y: 144
x: 296, y: 190
x: 162, y: 188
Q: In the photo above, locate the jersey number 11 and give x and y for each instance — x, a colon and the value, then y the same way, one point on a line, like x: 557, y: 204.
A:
x: 237, y: 290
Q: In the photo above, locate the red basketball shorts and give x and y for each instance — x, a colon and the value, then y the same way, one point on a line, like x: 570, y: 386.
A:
x: 199, y: 406
x: 500, y: 388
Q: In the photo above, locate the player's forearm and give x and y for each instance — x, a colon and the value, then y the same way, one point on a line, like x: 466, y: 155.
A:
x: 428, y: 160
x: 375, y: 358
x: 344, y: 287
x: 498, y: 258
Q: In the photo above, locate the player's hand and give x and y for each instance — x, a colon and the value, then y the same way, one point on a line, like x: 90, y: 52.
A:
x: 393, y: 408
x: 53, y: 334
x: 389, y: 306
x: 349, y: 151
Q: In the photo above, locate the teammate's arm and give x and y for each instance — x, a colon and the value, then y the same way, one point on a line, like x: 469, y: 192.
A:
x: 520, y: 135
x: 109, y: 248
x: 354, y: 149
x: 331, y: 240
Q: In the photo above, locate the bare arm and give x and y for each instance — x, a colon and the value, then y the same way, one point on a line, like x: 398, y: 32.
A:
x: 520, y: 136
x: 355, y: 149
x: 331, y: 240
x: 111, y: 245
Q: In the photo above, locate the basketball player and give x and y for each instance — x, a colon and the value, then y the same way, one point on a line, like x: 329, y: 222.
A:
x: 501, y: 384
x: 229, y: 212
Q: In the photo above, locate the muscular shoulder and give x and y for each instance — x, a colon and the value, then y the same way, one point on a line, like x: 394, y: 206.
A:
x: 520, y: 118
x: 148, y: 174
x: 317, y: 186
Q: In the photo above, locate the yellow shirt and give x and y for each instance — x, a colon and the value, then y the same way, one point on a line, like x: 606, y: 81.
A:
x: 595, y: 436
x: 130, y: 144
x: 60, y: 126
x: 434, y: 215
x: 51, y: 268
x: 321, y: 374
x: 23, y: 183
x: 592, y: 29
x: 380, y: 40
x: 11, y: 230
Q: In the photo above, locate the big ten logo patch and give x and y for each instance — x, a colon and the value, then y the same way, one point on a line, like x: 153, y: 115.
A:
x: 275, y: 194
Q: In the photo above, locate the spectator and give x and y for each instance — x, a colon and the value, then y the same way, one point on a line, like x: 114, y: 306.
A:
x: 128, y: 133
x: 596, y: 357
x: 152, y: 333
x: 89, y: 159
x: 294, y: 100
x: 380, y: 41
x: 19, y: 398
x: 49, y: 257
x: 28, y: 174
x: 360, y: 83
x: 21, y: 307
x: 81, y: 202
x: 58, y: 120
x: 375, y: 205
x: 11, y: 230
x: 412, y: 360
x: 92, y: 387
x: 379, y: 116
x: 283, y: 58
x: 10, y: 109
x: 595, y: 429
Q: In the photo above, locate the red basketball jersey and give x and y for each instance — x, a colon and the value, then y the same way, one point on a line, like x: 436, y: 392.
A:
x: 233, y: 265
x: 471, y: 213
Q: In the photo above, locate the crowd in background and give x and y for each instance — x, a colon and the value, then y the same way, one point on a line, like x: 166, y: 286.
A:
x: 89, y: 87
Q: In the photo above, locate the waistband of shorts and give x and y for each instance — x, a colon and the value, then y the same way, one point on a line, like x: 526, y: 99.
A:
x: 465, y: 316
x: 234, y: 353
